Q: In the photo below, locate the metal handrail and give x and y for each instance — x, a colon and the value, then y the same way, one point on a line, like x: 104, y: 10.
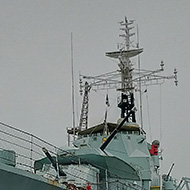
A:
x: 27, y: 147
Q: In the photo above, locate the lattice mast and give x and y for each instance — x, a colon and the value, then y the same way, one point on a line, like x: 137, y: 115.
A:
x: 83, y: 124
x: 124, y: 54
x: 126, y: 80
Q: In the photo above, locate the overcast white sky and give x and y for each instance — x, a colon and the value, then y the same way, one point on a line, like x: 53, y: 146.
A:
x: 35, y: 66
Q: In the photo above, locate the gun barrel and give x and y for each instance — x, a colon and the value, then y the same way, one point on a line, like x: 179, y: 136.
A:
x: 170, y: 170
x: 54, y: 164
x: 105, y: 144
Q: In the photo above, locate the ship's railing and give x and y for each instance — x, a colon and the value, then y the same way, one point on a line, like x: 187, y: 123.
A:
x: 120, y: 184
x: 184, y: 184
x: 20, y: 149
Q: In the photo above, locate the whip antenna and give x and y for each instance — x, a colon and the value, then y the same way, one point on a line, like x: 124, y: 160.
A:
x: 73, y: 89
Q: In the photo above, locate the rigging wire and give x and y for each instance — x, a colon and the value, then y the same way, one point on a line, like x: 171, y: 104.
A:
x: 160, y: 113
x: 162, y: 163
x: 139, y: 84
x: 138, y: 114
x: 148, y: 112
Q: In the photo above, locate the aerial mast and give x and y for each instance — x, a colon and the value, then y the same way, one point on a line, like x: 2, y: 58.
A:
x: 124, y: 54
x: 73, y: 89
x: 127, y: 79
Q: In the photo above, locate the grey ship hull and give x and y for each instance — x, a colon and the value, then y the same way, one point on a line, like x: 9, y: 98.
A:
x: 12, y: 178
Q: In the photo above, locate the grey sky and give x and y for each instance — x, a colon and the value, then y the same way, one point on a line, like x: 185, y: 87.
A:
x: 35, y: 71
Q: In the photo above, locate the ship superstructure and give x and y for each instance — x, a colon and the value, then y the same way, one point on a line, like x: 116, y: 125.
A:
x: 134, y: 161
x: 107, y: 156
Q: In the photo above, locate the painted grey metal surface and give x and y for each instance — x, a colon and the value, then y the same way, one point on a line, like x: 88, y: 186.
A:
x: 12, y: 178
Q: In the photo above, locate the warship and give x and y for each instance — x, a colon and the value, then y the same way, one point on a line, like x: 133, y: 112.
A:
x: 107, y: 156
